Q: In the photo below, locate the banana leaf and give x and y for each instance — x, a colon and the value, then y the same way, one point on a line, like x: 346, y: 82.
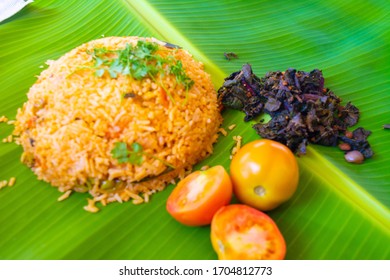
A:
x: 340, y: 210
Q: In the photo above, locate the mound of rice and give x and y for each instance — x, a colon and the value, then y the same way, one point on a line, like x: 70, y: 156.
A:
x: 73, y: 119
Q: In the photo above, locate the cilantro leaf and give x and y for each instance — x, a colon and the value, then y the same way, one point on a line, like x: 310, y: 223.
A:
x: 136, y: 155
x: 123, y: 154
x: 181, y: 76
x: 120, y: 152
x: 140, y: 72
x: 137, y: 148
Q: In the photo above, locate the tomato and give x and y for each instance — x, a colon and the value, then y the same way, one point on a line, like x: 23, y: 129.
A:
x: 240, y: 232
x: 198, y: 196
x: 264, y: 174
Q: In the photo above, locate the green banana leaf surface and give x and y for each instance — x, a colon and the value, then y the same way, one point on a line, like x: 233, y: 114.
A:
x: 340, y: 210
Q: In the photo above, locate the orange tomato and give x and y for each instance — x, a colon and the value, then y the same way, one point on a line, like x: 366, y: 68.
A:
x: 198, y: 196
x: 240, y: 232
x: 264, y: 174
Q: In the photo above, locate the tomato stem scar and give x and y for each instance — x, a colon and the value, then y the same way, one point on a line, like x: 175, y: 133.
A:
x: 259, y: 190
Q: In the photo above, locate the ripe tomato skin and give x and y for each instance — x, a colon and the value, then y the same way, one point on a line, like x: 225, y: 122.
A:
x: 264, y: 174
x: 198, y: 196
x: 241, y: 232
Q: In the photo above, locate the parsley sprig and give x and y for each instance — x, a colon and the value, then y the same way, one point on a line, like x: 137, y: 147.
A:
x: 133, y: 155
x: 140, y: 61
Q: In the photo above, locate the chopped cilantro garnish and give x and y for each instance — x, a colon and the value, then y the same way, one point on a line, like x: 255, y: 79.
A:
x: 139, y: 61
x: 181, y: 77
x: 124, y: 155
x: 134, y: 155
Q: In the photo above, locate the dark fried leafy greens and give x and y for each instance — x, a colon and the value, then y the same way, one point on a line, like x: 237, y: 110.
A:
x: 302, y: 110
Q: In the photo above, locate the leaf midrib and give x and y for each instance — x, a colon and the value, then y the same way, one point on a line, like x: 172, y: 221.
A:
x: 348, y: 189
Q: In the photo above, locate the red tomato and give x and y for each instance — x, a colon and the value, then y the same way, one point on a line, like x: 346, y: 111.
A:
x: 197, y: 197
x: 264, y: 174
x: 240, y: 232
